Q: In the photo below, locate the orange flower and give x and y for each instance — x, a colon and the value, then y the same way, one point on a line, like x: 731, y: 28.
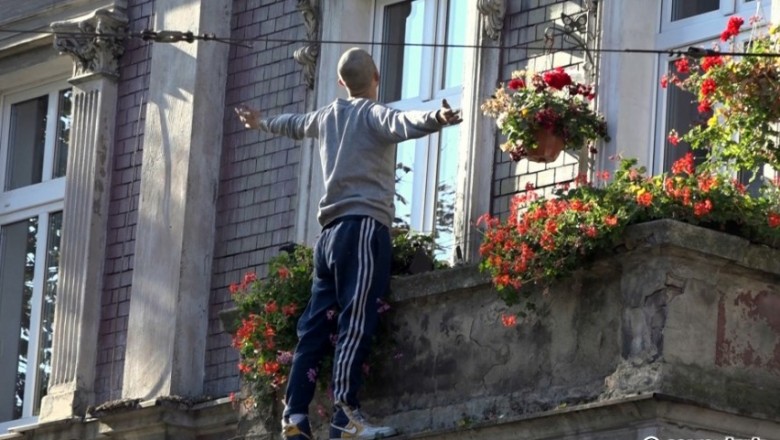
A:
x: 610, y: 220
x: 283, y: 272
x: 644, y: 199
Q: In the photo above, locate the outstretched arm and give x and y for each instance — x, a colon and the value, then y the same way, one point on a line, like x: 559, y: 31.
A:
x: 296, y: 126
x: 398, y: 126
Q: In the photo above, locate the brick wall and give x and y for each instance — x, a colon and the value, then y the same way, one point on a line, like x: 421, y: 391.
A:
x: 524, y: 27
x: 123, y: 207
x: 258, y: 188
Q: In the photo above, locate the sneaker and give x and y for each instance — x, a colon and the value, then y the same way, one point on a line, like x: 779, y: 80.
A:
x: 350, y: 423
x: 296, y: 431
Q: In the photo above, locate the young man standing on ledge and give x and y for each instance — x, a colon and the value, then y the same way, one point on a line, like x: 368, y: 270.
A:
x: 357, y: 138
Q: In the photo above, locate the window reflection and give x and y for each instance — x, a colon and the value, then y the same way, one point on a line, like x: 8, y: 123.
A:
x: 27, y: 142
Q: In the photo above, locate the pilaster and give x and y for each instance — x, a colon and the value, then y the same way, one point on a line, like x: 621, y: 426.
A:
x: 168, y: 318
x: 77, y: 314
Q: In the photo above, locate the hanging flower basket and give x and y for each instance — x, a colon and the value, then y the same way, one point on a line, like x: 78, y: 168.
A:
x: 536, y: 110
x: 548, y: 147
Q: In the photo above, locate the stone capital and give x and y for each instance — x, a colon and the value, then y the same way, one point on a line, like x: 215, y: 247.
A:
x: 95, y: 43
x: 492, y: 12
x: 308, y: 54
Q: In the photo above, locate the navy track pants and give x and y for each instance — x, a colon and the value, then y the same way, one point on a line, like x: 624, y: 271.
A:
x: 351, y: 272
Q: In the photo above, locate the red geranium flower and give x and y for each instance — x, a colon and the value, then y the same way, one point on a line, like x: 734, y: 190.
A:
x: 708, y: 87
x: 773, y: 219
x: 684, y: 164
x: 702, y: 208
x: 732, y: 28
x: 682, y: 65
x: 516, y: 84
x: 704, y: 106
x: 710, y: 62
x: 557, y: 79
x: 673, y: 138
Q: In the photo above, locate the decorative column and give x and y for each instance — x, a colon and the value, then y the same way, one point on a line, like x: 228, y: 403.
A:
x: 484, y: 70
x: 174, y: 246
x: 77, y: 315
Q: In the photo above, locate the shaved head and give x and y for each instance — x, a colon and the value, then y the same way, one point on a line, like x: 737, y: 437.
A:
x: 357, y: 71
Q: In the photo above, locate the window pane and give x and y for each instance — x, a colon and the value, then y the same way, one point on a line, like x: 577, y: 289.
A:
x: 17, y: 269
x: 47, y: 311
x: 404, y: 184
x: 688, y: 8
x: 446, y: 186
x: 681, y: 115
x: 64, y: 119
x: 27, y: 135
x: 401, y: 64
x: 453, y: 58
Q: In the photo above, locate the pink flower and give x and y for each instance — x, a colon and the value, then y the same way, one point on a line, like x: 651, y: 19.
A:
x: 312, y: 375
x: 508, y: 320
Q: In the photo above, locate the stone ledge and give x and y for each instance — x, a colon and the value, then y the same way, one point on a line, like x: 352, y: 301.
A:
x: 635, y: 417
x: 729, y: 247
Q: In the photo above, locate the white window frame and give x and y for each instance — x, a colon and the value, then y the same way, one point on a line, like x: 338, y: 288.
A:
x: 39, y: 200
x: 423, y: 209
x: 702, y: 30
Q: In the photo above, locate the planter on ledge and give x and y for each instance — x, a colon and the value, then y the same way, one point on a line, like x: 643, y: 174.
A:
x: 675, y: 336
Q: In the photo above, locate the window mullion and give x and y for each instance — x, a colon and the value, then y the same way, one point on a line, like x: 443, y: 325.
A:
x: 431, y: 179
x: 5, y: 131
x: 427, y: 71
x: 50, y: 138
x: 35, y: 316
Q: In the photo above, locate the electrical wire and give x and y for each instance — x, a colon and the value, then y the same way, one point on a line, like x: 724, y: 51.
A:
x: 189, y: 37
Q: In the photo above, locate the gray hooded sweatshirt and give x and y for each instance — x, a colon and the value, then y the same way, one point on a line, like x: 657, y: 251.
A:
x: 357, y: 140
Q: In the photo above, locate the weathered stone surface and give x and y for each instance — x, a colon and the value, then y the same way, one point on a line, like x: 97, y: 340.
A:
x: 679, y: 310
x: 674, y: 335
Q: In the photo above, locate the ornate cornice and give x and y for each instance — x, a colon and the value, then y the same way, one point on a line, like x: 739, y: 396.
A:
x: 95, y: 43
x: 492, y: 12
x: 307, y: 55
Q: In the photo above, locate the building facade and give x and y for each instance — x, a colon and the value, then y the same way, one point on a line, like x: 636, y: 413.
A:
x: 140, y: 197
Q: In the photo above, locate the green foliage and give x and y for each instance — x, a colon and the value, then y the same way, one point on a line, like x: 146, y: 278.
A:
x: 406, y: 244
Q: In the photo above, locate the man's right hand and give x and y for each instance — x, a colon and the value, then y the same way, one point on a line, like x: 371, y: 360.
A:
x: 248, y: 116
x: 447, y: 116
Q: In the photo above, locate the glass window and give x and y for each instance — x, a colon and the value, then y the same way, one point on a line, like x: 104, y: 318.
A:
x: 34, y: 151
x: 26, y: 144
x: 419, y: 77
x: 688, y: 8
